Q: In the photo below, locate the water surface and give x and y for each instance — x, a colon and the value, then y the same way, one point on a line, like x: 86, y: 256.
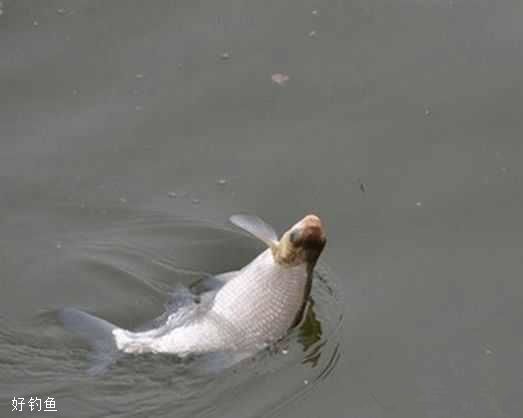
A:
x: 400, y: 124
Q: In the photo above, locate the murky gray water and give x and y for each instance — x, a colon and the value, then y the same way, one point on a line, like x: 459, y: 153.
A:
x: 129, y: 132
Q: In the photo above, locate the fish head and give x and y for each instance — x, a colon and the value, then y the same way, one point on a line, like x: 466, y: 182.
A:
x: 302, y: 243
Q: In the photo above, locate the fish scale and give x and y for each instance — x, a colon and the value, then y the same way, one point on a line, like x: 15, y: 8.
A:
x: 254, y: 308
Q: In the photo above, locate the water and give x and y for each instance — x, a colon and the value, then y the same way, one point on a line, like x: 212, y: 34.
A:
x: 400, y: 125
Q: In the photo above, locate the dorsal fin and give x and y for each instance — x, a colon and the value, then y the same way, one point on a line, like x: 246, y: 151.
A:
x: 257, y: 227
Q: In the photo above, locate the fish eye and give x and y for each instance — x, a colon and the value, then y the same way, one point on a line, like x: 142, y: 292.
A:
x: 294, y: 236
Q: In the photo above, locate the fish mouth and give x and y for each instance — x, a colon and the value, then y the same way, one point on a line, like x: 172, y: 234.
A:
x: 309, y: 234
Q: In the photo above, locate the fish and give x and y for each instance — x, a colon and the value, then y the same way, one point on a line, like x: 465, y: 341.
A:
x: 251, y: 308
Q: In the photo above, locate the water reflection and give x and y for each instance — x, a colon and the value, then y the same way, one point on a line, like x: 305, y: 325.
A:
x: 309, y: 334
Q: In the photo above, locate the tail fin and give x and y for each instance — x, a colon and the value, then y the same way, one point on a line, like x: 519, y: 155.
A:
x: 97, y: 332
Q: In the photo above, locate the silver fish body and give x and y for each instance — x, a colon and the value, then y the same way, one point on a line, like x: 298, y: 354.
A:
x: 254, y: 308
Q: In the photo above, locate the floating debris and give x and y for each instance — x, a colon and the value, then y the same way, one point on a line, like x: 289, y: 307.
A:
x: 139, y: 76
x: 60, y: 11
x: 195, y: 201
x: 172, y: 195
x: 224, y: 56
x: 315, y: 12
x: 123, y: 200
x: 427, y: 111
x: 280, y: 79
x: 221, y: 182
x: 312, y: 34
x: 418, y: 204
x: 285, y: 352
x: 305, y: 382
x: 35, y: 23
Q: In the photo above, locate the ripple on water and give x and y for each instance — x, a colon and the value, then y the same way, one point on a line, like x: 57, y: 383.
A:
x: 152, y: 255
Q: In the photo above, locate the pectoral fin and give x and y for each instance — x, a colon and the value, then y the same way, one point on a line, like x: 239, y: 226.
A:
x: 257, y: 227
x: 212, y: 283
